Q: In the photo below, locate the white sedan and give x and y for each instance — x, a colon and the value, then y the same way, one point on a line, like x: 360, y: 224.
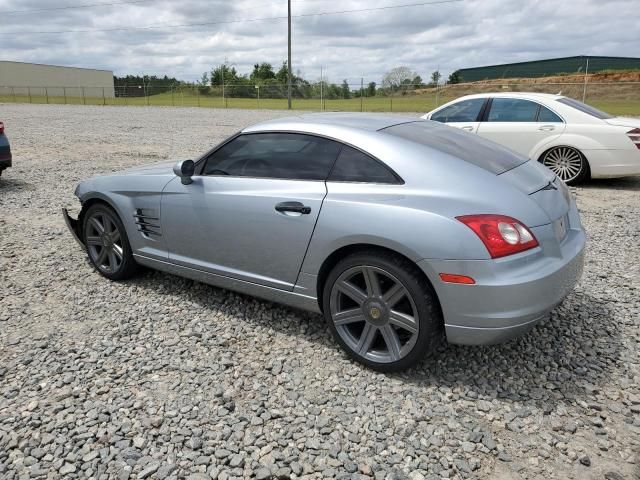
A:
x: 574, y: 140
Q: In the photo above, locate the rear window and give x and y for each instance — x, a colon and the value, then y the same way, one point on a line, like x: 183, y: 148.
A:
x: 354, y: 166
x: 465, y: 146
x: 584, y: 108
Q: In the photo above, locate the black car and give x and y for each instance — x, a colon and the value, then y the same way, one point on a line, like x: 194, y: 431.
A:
x: 5, y: 150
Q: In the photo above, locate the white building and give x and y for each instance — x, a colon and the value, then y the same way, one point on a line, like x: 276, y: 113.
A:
x: 17, y: 78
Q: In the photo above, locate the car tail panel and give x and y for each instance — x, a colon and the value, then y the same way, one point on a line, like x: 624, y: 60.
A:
x: 543, y: 186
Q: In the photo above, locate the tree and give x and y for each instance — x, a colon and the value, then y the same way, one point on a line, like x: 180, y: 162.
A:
x: 417, y: 81
x: 283, y: 73
x: 435, y: 78
x: 398, y: 76
x: 262, y: 72
x: 344, y: 89
x: 455, y: 77
x: 230, y: 75
x: 371, y: 89
x: 137, y: 86
x: 203, y: 84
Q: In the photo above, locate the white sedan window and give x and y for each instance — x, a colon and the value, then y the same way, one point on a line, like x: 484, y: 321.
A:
x: 547, y: 116
x: 512, y: 110
x: 464, y: 111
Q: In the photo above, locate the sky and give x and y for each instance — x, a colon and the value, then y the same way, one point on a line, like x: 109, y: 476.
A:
x: 352, y: 45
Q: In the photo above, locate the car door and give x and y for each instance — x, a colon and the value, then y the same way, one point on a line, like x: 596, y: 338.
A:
x: 464, y: 114
x: 251, y: 212
x: 520, y: 124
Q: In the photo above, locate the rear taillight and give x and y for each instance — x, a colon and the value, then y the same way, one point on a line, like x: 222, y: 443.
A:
x: 501, y: 235
x: 1, y: 128
x: 634, y: 136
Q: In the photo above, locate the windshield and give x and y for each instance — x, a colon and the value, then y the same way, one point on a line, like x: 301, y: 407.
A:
x: 465, y: 146
x: 584, y: 108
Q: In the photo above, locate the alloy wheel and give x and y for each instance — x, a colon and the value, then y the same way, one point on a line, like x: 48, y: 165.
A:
x: 565, y: 162
x: 374, y: 314
x: 104, y: 242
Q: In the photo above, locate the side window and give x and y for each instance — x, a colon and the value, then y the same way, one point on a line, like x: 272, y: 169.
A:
x: 274, y: 155
x: 354, y: 166
x: 547, y: 116
x: 464, y: 111
x: 512, y: 110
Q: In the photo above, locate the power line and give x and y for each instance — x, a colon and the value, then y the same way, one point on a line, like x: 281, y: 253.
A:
x: 131, y: 2
x: 203, y: 24
x: 71, y: 7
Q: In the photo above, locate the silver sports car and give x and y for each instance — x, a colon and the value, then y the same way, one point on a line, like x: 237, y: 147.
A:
x: 397, y: 230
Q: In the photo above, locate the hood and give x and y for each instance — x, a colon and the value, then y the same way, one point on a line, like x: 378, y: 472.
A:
x: 161, y: 168
x: 624, y: 122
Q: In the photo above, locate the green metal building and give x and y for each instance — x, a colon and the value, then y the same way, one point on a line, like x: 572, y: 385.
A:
x: 552, y: 66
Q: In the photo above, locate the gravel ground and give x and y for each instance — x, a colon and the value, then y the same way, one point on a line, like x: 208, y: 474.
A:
x: 162, y: 377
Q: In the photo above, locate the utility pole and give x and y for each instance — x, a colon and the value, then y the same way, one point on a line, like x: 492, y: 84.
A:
x: 586, y: 73
x: 223, y: 68
x: 321, y: 82
x: 361, y: 92
x: 437, y: 85
x: 289, y: 58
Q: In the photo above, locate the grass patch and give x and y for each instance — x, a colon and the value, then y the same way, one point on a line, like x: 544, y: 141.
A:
x: 408, y: 103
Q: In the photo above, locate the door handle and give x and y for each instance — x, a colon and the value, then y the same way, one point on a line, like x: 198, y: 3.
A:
x: 294, y: 207
x: 546, y: 128
x: 468, y: 128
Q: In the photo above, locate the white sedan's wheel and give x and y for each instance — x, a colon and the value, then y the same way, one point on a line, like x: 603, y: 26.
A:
x: 566, y: 162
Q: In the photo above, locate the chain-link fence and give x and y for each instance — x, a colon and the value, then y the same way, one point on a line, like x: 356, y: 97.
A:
x: 617, y: 97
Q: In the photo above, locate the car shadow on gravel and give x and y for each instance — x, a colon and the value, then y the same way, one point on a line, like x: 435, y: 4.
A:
x: 569, y: 355
x: 626, y: 183
x: 561, y: 359
x: 8, y: 184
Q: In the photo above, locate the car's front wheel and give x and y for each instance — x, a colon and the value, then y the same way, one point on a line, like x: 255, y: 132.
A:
x: 107, y: 244
x: 567, y: 163
x: 382, y: 311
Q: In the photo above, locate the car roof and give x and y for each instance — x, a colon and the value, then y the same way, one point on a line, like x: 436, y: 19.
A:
x: 529, y: 95
x: 314, y: 122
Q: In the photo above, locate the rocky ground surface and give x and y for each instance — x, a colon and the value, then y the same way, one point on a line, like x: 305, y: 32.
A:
x: 162, y: 377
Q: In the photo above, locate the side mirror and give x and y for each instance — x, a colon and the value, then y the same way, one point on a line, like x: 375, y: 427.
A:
x: 185, y: 170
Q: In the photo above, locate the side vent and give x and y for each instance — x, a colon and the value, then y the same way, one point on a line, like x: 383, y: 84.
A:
x: 147, y: 223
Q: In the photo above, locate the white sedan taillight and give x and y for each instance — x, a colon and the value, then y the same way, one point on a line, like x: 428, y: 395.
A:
x: 634, y: 136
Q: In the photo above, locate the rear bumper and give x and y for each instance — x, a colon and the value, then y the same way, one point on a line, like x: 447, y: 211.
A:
x: 72, y: 225
x: 511, y: 295
x: 5, y: 163
x: 613, y: 163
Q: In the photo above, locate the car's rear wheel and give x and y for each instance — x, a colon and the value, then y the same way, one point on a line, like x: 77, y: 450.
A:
x: 382, y: 311
x: 567, y: 163
x: 107, y: 244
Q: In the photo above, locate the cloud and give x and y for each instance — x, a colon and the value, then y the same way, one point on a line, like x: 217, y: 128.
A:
x: 353, y: 45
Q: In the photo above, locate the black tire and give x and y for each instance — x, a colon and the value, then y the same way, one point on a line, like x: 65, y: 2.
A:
x: 104, y: 248
x: 389, y: 270
x: 568, y: 163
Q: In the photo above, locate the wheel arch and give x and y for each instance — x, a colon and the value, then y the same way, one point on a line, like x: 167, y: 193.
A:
x: 87, y: 202
x: 346, y: 250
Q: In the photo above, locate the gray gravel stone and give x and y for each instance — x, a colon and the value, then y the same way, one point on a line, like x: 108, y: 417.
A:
x: 149, y: 470
x: 67, y: 469
x: 263, y: 474
x: 613, y: 476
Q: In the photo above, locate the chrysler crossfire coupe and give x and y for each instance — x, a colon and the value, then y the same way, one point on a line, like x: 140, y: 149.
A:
x: 399, y: 231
